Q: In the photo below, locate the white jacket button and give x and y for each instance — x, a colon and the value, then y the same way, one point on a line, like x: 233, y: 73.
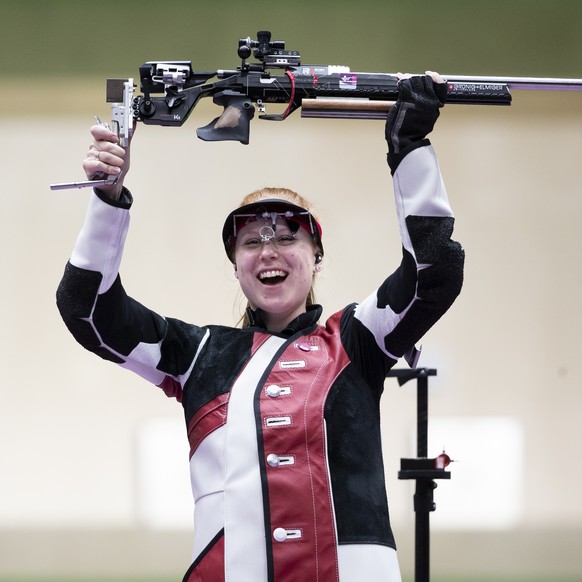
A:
x: 273, y: 460
x: 280, y: 534
x: 273, y: 391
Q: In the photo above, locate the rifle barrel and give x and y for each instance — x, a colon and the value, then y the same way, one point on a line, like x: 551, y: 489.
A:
x: 527, y: 83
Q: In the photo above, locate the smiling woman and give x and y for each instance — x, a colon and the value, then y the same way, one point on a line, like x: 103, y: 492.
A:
x: 283, y: 414
x: 274, y: 242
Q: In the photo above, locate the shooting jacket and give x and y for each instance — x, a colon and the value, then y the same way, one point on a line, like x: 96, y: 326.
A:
x: 284, y: 428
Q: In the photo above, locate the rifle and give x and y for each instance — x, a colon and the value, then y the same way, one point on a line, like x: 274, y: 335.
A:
x: 171, y: 89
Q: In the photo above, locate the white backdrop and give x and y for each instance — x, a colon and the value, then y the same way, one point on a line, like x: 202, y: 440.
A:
x: 71, y: 424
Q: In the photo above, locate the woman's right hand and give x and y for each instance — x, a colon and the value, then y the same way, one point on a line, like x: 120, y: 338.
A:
x: 106, y: 157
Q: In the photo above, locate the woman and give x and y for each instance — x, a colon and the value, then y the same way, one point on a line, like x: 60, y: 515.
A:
x: 283, y: 414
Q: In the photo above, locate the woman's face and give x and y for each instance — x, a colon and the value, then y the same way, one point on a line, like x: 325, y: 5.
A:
x: 276, y: 275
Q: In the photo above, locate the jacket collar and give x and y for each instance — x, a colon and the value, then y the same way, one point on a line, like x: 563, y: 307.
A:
x: 307, y: 319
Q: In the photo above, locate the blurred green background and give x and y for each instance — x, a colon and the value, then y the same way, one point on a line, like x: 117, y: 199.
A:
x: 113, y: 37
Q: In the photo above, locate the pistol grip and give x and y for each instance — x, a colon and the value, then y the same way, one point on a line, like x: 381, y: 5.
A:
x: 234, y: 123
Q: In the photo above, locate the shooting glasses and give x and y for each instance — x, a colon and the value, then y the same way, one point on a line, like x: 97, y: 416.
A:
x: 269, y: 210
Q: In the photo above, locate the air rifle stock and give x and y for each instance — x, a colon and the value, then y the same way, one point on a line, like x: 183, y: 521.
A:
x: 171, y: 89
x: 318, y: 90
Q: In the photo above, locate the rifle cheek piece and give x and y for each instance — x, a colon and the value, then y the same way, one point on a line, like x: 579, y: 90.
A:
x: 234, y: 123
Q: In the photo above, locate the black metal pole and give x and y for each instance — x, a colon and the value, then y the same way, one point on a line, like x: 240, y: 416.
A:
x: 423, y: 470
x: 424, y: 487
x: 422, y: 415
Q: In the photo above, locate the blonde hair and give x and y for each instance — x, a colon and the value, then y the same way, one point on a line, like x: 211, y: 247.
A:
x: 279, y: 193
x: 289, y: 196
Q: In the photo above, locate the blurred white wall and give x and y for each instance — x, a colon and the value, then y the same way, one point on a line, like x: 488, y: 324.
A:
x: 72, y: 426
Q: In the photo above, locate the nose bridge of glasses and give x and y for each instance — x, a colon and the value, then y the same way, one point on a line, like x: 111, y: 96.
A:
x: 267, y: 234
x: 268, y: 240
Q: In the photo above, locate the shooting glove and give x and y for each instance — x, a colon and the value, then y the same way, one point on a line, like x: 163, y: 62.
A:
x: 413, y: 116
